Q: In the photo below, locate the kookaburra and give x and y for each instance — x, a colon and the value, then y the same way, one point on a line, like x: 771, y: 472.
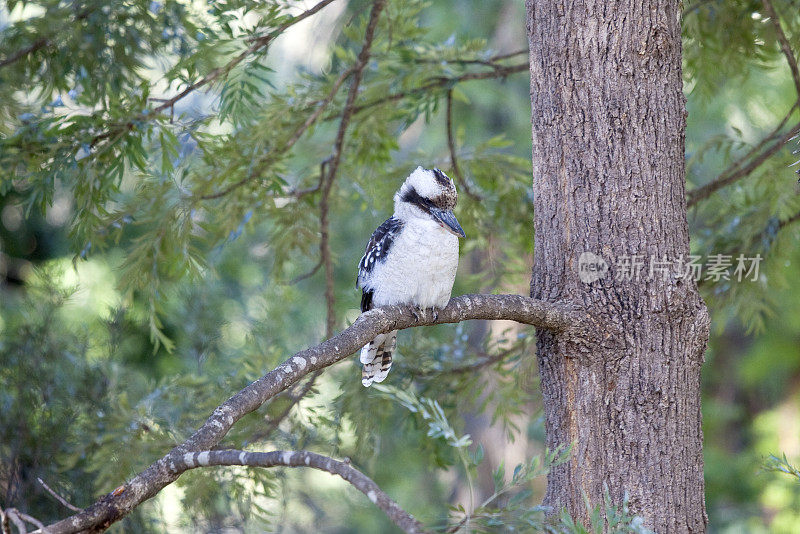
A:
x: 411, y: 258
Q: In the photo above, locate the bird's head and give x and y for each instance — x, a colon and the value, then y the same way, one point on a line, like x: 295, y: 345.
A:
x: 428, y: 195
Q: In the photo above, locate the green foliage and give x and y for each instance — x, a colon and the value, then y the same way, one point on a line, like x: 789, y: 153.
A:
x: 430, y: 411
x: 508, y: 508
x: 782, y: 465
x: 610, y: 518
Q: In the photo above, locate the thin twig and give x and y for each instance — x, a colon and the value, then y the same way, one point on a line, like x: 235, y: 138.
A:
x: 444, y: 81
x: 270, y: 158
x: 784, y: 43
x: 359, y: 480
x: 767, y: 233
x: 19, y: 54
x: 500, y: 57
x: 452, y: 146
x: 294, y: 398
x: 19, y: 519
x: 738, y: 170
x: 321, y: 107
x: 43, y: 41
x: 258, y: 44
x: 791, y: 220
x: 33, y: 521
x: 307, y: 275
x: 485, y: 360
x: 491, y: 62
x: 300, y: 193
x: 455, y: 528
x: 330, y: 176
x: 58, y: 497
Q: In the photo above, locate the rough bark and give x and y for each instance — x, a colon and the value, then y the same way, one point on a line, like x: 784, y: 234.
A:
x: 608, y: 120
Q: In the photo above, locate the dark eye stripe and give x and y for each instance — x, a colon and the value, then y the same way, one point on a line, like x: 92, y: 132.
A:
x: 411, y: 196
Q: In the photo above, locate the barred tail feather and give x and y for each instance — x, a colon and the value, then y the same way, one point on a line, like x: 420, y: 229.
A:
x: 377, y: 358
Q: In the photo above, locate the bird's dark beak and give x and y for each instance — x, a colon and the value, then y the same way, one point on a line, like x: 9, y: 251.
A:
x: 448, y: 220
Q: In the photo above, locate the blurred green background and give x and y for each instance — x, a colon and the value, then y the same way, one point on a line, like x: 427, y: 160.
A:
x: 122, y: 325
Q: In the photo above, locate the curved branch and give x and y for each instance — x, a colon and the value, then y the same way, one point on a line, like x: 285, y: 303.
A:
x: 738, y: 170
x: 491, y: 62
x: 113, y: 506
x: 500, y: 71
x: 43, y: 41
x: 786, y: 48
x: 359, y: 480
x: 57, y: 497
x: 19, y: 519
x: 19, y: 54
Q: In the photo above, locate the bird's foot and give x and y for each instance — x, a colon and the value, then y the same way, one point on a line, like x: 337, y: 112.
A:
x: 415, y: 311
x: 435, y: 312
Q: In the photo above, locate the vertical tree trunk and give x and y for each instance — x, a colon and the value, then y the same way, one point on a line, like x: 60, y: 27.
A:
x: 608, y: 178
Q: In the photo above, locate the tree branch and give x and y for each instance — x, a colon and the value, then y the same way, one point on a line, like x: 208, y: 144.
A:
x: 257, y: 44
x: 491, y: 62
x: 784, y: 44
x: 768, y: 233
x: 444, y: 81
x: 791, y: 220
x: 19, y: 54
x: 43, y: 41
x: 451, y: 145
x: 14, y: 518
x: 359, y: 480
x: 485, y: 361
x: 113, y: 506
x: 738, y: 170
x: 500, y: 71
x: 272, y: 155
x: 294, y: 398
x: 58, y: 497
x: 33, y: 521
x: 19, y: 519
x: 307, y: 275
x: 328, y: 179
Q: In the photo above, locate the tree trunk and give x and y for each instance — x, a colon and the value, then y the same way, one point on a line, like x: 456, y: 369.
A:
x: 608, y: 178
